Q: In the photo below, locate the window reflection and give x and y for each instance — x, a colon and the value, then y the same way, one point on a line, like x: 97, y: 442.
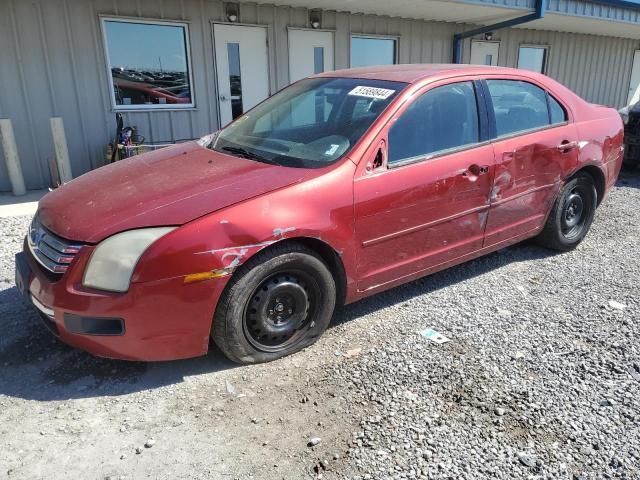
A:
x: 318, y: 59
x: 235, y: 81
x: 366, y: 51
x: 149, y: 64
x: 532, y: 58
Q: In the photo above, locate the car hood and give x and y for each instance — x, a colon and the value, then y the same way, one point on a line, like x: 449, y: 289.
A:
x: 170, y: 186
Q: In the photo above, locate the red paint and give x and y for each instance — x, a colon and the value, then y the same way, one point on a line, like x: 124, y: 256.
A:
x: 388, y: 226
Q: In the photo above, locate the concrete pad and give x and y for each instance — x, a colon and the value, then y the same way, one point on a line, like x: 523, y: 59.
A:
x: 12, y: 206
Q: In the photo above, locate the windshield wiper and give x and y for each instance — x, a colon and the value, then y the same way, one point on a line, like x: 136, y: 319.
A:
x: 247, y: 154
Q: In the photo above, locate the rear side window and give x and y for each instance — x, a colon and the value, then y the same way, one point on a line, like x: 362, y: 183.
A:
x: 441, y: 119
x: 518, y: 106
x: 556, y: 112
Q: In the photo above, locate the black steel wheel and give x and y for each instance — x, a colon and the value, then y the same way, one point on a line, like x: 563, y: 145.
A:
x: 277, y: 303
x: 281, y: 310
x: 571, y: 215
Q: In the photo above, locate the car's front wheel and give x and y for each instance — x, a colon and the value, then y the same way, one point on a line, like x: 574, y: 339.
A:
x: 571, y: 215
x: 277, y: 303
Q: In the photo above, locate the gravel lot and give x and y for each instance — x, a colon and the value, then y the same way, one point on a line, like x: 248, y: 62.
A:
x: 540, y: 379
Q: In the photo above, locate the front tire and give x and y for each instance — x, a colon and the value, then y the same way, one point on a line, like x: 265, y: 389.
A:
x: 277, y: 303
x: 571, y: 215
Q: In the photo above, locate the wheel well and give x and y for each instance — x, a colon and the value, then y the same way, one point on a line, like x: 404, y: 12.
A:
x: 333, y: 261
x: 598, y: 179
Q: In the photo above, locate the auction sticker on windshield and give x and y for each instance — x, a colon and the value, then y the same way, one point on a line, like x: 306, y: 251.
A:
x: 372, y: 92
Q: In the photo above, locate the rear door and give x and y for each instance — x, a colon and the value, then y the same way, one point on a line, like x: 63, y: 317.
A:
x: 426, y: 203
x: 534, y: 145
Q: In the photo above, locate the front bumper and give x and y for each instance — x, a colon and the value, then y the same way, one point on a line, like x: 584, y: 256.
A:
x: 161, y: 320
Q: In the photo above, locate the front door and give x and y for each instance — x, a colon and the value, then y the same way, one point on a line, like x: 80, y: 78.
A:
x: 634, y: 84
x: 484, y: 53
x: 428, y: 206
x: 242, y: 68
x: 310, y: 51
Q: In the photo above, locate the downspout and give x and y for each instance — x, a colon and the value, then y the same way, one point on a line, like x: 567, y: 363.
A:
x: 459, y: 37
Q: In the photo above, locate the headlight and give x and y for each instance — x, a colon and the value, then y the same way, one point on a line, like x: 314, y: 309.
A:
x: 112, y: 262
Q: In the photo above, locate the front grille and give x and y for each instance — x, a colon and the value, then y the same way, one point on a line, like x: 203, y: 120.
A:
x: 52, y: 252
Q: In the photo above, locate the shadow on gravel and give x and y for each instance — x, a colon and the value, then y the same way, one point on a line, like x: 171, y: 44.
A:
x: 34, y: 365
x: 629, y: 178
x: 517, y: 253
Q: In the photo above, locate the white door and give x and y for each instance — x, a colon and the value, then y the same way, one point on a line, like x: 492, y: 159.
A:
x: 310, y: 51
x: 242, y: 66
x: 634, y: 84
x: 484, y: 53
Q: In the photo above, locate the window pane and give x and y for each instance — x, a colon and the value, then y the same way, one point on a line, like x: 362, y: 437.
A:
x: 443, y: 118
x: 517, y: 106
x: 318, y: 59
x: 532, y: 58
x: 235, y: 79
x: 366, y: 51
x: 558, y: 115
x: 149, y: 64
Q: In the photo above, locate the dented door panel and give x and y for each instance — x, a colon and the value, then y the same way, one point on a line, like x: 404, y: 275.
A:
x: 420, y: 215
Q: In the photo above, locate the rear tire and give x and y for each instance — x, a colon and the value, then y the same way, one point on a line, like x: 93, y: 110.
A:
x: 277, y: 303
x: 571, y: 215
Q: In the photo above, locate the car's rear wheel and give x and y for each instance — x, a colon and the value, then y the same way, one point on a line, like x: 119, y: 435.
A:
x: 276, y: 304
x: 571, y: 215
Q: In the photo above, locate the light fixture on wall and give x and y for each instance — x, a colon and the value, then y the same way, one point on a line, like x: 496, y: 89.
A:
x: 231, y: 11
x: 315, y: 18
x: 488, y: 36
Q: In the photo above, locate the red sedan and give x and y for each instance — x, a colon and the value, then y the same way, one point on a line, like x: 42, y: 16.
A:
x: 340, y: 186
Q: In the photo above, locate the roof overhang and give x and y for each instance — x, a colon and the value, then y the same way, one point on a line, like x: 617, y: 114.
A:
x: 471, y: 12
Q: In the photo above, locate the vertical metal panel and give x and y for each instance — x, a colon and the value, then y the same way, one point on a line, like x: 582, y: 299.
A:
x: 54, y: 65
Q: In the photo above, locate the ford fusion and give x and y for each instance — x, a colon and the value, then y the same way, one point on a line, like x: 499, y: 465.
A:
x: 340, y: 186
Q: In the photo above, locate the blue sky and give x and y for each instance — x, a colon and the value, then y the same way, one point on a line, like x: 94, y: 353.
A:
x: 144, y: 47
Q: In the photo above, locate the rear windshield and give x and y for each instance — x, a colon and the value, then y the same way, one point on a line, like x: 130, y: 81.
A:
x: 309, y: 124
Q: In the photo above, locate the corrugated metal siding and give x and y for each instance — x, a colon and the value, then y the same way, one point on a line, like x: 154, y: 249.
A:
x: 53, y: 64
x: 596, y: 68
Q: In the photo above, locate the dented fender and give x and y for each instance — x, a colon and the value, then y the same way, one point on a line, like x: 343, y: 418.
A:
x: 320, y: 209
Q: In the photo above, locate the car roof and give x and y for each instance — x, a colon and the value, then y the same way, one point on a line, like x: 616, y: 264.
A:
x: 411, y: 73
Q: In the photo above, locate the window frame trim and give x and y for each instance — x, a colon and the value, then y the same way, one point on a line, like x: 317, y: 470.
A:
x: 545, y: 59
x: 492, y: 116
x: 147, y: 21
x: 374, y: 36
x: 483, y: 131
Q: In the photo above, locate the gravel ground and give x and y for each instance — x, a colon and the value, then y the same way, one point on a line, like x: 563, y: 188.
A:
x: 540, y: 378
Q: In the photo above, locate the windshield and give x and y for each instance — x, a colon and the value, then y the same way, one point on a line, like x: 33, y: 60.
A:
x: 310, y: 124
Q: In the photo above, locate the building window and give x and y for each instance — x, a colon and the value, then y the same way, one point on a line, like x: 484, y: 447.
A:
x: 148, y: 64
x: 532, y: 58
x: 366, y: 51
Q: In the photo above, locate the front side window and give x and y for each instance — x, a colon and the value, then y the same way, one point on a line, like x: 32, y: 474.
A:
x: 309, y: 124
x: 149, y: 64
x: 442, y: 119
x: 368, y: 51
x: 532, y: 58
x: 518, y: 106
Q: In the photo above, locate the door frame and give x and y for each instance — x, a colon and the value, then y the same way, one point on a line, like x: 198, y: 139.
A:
x: 216, y: 90
x: 476, y: 40
x: 306, y: 29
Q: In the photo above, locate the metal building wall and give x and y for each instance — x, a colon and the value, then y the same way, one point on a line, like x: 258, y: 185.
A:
x: 52, y: 63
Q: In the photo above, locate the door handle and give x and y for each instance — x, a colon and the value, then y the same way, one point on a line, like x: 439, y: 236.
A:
x: 565, y: 146
x: 223, y: 98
